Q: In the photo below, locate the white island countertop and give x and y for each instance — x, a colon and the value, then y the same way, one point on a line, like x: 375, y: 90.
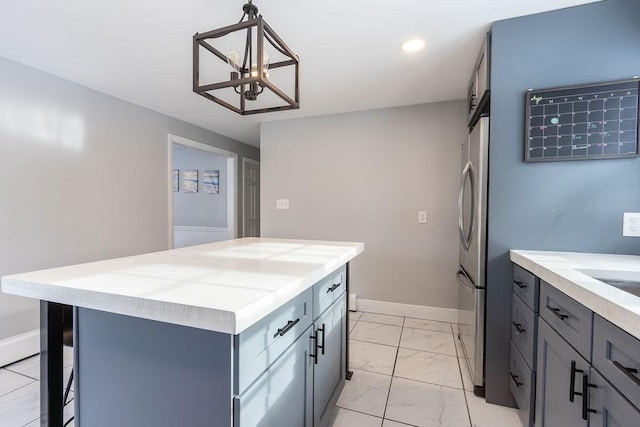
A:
x: 225, y: 286
x: 573, y: 274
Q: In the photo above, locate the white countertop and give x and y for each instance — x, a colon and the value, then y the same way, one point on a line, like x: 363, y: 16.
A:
x: 224, y: 286
x: 565, y: 271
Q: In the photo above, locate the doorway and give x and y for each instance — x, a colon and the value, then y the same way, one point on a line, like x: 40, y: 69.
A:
x: 203, y: 194
x: 251, y: 205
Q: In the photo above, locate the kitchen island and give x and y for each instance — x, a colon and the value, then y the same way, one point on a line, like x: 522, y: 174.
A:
x: 246, y: 332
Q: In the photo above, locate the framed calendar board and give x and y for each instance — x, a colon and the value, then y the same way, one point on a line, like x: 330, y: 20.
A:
x: 598, y: 121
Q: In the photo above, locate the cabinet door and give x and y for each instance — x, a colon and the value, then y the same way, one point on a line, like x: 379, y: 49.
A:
x: 328, y: 373
x: 283, y: 395
x: 611, y: 409
x: 556, y: 381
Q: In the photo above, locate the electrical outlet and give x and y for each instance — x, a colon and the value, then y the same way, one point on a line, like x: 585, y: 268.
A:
x: 631, y: 224
x: 422, y: 217
x: 282, y: 204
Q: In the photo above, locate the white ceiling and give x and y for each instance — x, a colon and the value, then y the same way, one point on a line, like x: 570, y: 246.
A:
x: 140, y: 50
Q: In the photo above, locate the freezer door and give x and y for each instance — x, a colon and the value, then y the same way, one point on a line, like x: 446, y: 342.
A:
x: 471, y: 326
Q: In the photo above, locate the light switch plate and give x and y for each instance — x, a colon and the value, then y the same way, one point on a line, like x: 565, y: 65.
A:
x: 631, y: 224
x: 422, y: 217
x: 282, y: 204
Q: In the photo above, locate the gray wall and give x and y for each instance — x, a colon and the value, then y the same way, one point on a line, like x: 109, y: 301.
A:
x: 363, y: 177
x: 83, y: 178
x: 565, y: 206
x: 200, y: 209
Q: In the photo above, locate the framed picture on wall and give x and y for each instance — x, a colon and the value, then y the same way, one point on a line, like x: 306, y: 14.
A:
x: 190, y: 181
x: 211, y: 181
x: 176, y: 180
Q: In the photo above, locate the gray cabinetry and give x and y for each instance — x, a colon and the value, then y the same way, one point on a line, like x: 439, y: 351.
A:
x: 610, y: 408
x: 521, y: 385
x: 572, y: 320
x: 616, y: 354
x: 585, y: 369
x: 286, y: 370
x: 559, y: 378
x: 526, y: 286
x: 282, y: 396
x: 524, y: 327
x: 259, y: 346
x: 478, y: 91
x: 329, y: 364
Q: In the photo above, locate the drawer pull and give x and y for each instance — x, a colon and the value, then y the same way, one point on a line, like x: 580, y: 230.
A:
x: 290, y: 324
x: 515, y: 379
x: 556, y: 311
x: 628, y: 372
x: 572, y: 384
x: 323, y: 330
x: 314, y: 356
x: 334, y: 287
x: 520, y: 284
x: 519, y: 327
x: 586, y: 385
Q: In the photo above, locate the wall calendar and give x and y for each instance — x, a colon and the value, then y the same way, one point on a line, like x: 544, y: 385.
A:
x: 583, y: 122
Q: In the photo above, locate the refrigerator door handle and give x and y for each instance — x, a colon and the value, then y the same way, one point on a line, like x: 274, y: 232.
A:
x: 460, y: 202
x: 464, y: 280
x: 466, y: 236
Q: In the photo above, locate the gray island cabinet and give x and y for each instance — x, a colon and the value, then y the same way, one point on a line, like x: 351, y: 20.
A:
x: 581, y: 369
x: 248, y: 332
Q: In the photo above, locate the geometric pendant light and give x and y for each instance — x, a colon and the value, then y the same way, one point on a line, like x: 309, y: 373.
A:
x: 243, y: 84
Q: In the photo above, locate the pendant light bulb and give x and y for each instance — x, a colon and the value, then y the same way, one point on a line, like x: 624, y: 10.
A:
x: 265, y: 66
x: 233, y: 59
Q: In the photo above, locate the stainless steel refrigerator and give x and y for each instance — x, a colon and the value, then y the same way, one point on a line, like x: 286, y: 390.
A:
x: 472, y: 227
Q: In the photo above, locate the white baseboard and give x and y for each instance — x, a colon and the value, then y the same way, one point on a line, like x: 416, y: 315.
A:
x: 19, y: 347
x: 409, y: 310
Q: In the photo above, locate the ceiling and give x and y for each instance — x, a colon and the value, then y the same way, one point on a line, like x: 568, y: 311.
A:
x: 140, y: 50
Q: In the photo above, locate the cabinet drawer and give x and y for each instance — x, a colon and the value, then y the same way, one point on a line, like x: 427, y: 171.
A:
x: 521, y: 384
x: 259, y: 346
x: 616, y: 354
x: 572, y: 320
x: 526, y: 286
x: 282, y: 396
x: 524, y: 329
x: 612, y: 409
x: 327, y: 290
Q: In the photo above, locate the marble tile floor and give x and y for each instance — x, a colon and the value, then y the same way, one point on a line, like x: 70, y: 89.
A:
x: 411, y: 372
x: 407, y: 372
x: 20, y: 392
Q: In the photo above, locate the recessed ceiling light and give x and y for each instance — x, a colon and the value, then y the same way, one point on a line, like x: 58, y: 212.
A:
x: 413, y: 45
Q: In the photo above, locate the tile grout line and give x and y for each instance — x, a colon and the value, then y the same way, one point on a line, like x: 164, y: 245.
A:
x: 373, y: 342
x: 36, y: 419
x: 21, y: 374
x: 393, y: 371
x: 359, y: 412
